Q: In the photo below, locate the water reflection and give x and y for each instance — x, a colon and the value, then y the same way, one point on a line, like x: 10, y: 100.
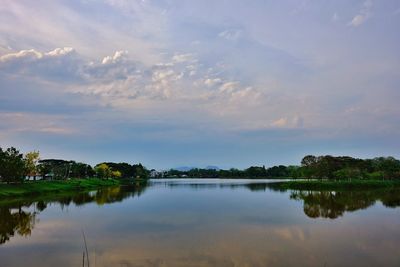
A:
x: 204, y: 223
x: 14, y: 221
x: 19, y: 218
x: 333, y: 204
x: 316, y: 204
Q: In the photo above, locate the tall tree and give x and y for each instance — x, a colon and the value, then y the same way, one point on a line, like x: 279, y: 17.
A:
x: 56, y: 169
x: 11, y: 165
x: 31, y: 160
x: 103, y: 171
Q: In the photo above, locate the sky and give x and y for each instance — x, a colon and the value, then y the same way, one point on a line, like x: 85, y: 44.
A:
x: 194, y: 83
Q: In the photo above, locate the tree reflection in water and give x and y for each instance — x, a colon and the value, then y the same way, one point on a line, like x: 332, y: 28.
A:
x: 15, y: 221
x: 333, y: 204
x: 317, y: 204
x: 20, y: 218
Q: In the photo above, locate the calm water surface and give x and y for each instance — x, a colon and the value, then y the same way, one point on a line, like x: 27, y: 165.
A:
x: 204, y: 223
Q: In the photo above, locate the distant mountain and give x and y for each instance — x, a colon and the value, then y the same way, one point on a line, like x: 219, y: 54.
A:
x: 183, y: 168
x: 210, y: 167
x: 186, y: 168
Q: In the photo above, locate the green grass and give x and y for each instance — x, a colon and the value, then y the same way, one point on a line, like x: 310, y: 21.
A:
x: 32, y: 188
x: 325, y: 185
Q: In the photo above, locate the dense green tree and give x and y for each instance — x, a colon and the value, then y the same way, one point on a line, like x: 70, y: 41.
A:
x: 256, y: 172
x: 329, y: 167
x: 11, y: 165
x: 103, y: 171
x: 308, y: 164
x: 326, y: 166
x: 278, y: 171
x: 56, y: 169
x: 126, y: 170
x: 388, y: 166
x: 80, y: 170
x: 294, y: 172
x: 141, y: 171
x: 309, y: 161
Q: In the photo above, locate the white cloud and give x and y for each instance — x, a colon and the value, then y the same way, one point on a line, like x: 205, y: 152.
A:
x: 26, y: 24
x: 229, y: 86
x: 245, y: 93
x: 60, y: 64
x: 31, y: 54
x: 364, y: 14
x: 166, y: 65
x: 115, y: 58
x: 212, y: 82
x: 60, y: 51
x: 231, y: 34
x: 179, y: 58
x: 161, y: 75
x: 66, y: 65
x: 358, y: 20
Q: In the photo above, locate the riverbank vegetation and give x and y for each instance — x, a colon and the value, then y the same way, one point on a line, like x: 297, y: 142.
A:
x: 43, y: 187
x: 18, y: 168
x: 312, y: 167
x: 22, y: 175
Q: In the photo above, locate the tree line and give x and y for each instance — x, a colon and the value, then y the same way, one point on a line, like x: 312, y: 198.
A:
x: 312, y: 167
x: 251, y: 172
x: 15, y: 167
x: 330, y: 167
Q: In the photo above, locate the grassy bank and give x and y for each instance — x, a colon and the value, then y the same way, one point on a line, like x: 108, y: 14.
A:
x: 48, y: 187
x: 325, y: 185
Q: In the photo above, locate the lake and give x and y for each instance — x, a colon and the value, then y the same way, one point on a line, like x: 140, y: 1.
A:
x: 203, y: 222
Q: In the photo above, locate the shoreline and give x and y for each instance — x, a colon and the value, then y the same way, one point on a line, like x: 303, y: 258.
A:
x: 326, y: 185
x: 38, y: 188
x: 49, y: 188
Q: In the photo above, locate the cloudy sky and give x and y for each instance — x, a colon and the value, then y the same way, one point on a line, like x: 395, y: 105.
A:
x: 195, y: 83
